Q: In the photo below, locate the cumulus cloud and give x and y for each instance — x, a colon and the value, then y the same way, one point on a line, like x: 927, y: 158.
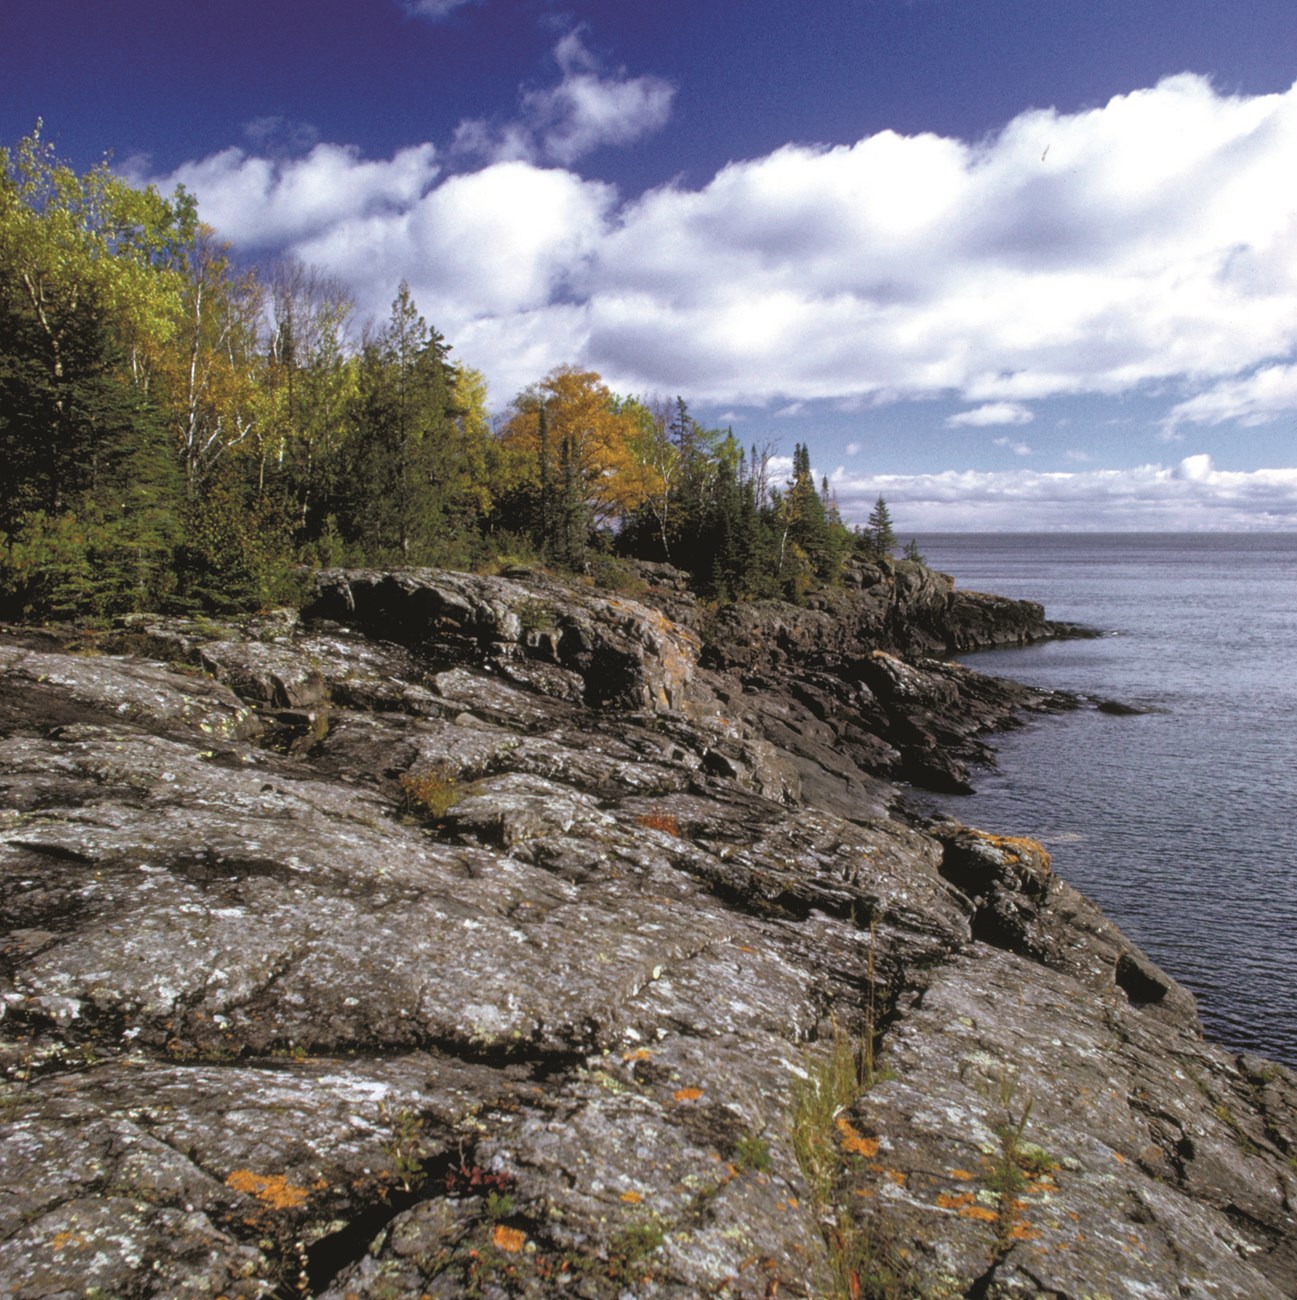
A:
x: 585, y: 111
x: 992, y: 413
x: 489, y: 256
x: 264, y: 202
x: 1146, y: 244
x: 1188, y: 496
x: 1154, y: 240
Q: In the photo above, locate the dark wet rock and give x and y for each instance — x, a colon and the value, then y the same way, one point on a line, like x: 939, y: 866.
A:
x: 472, y: 938
x: 1120, y: 709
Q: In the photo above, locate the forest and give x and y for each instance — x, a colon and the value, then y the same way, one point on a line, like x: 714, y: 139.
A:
x: 183, y: 431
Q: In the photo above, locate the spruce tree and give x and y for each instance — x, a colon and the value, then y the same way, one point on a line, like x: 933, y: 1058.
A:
x: 880, y: 537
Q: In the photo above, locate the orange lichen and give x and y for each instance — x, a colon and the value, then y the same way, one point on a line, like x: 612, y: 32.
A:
x: 855, y: 1141
x: 951, y: 1201
x: 962, y: 1175
x: 631, y: 1198
x: 509, y: 1239
x: 639, y: 1054
x: 1020, y: 848
x: 687, y: 1094
x: 979, y: 1212
x: 1023, y: 1232
x: 273, y: 1190
x: 62, y: 1240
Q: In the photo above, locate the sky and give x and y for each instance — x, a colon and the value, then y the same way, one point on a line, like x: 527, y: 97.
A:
x: 1013, y: 264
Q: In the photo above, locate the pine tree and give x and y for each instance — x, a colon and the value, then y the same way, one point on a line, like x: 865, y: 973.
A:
x: 879, y: 536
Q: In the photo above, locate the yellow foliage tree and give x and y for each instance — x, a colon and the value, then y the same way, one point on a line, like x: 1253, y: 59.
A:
x: 585, y: 425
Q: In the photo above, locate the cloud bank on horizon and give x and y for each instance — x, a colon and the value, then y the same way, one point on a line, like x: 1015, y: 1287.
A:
x: 1144, y: 246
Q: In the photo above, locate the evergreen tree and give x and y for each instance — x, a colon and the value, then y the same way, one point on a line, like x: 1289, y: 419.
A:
x: 879, y: 537
x: 405, y: 499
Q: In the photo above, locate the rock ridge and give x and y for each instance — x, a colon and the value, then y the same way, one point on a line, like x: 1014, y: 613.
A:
x: 477, y: 935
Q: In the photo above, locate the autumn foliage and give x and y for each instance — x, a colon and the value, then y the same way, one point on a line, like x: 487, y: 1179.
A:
x: 183, y: 430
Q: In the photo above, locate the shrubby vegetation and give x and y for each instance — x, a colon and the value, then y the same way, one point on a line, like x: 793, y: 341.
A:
x: 178, y: 432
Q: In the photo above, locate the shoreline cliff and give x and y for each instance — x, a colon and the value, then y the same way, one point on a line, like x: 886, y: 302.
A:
x: 500, y: 936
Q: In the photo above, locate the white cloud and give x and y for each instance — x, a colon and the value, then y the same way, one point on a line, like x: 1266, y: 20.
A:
x: 1018, y: 448
x: 992, y: 413
x: 1153, y: 244
x: 1155, y: 240
x: 261, y: 202
x: 489, y: 257
x: 276, y: 134
x: 436, y: 10
x: 1256, y: 399
x: 1192, y: 495
x: 583, y: 112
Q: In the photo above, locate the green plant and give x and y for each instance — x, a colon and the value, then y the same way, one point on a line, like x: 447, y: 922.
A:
x: 536, y: 615
x: 431, y: 792
x: 629, y: 1250
x: 499, y: 1205
x: 405, y: 1147
x: 752, y: 1153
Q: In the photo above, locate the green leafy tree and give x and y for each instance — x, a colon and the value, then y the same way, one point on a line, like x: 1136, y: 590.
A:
x: 309, y: 381
x: 89, y: 287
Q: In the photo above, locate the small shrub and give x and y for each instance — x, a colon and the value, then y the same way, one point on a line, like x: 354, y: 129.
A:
x: 613, y: 574
x: 537, y: 615
x: 405, y: 1148
x: 753, y: 1153
x: 431, y: 792
x: 630, y: 1249
x: 659, y: 820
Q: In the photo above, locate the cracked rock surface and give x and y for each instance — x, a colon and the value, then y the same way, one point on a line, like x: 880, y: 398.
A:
x: 472, y: 936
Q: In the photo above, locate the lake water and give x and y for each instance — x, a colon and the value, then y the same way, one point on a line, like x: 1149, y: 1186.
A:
x: 1180, y: 823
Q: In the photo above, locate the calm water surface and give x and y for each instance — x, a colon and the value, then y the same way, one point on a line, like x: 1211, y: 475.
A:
x: 1179, y: 823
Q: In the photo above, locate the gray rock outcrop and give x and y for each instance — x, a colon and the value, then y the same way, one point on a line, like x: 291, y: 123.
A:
x: 487, y: 936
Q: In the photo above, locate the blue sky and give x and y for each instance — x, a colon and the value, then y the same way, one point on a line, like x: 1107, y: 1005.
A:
x: 1015, y: 263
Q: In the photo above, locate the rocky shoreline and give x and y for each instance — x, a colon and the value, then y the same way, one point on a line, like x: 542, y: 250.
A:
x: 491, y: 936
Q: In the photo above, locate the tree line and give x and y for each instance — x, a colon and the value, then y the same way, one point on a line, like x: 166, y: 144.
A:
x: 180, y: 432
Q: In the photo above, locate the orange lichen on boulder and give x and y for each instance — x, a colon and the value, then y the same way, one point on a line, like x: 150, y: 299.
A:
x: 855, y: 1141
x: 1020, y: 848
x: 955, y: 1201
x: 687, y: 1094
x: 273, y: 1190
x: 508, y: 1239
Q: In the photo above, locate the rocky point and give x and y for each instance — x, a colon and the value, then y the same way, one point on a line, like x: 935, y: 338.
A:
x: 495, y: 936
